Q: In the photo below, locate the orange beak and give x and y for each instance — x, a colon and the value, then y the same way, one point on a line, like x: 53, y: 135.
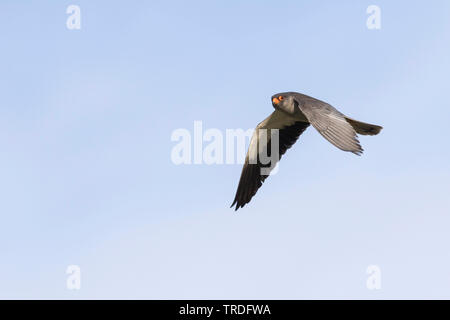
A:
x: 275, y: 101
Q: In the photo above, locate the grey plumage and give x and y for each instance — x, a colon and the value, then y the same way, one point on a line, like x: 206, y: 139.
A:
x: 294, y: 112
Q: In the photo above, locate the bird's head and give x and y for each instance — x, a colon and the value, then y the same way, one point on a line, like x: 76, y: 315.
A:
x: 284, y: 101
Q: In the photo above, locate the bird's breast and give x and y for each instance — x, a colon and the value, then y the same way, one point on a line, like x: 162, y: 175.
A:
x: 292, y: 110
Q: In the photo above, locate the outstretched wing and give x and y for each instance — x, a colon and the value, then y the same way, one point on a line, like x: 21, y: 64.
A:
x: 331, y: 124
x: 253, y: 173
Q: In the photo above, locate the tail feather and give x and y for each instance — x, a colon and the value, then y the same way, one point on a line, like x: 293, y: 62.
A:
x: 364, y: 128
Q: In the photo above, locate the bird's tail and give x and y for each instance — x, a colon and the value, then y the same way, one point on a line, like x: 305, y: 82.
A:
x: 364, y: 128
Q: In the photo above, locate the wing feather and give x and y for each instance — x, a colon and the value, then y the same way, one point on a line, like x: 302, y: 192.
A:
x: 252, y: 177
x: 331, y: 124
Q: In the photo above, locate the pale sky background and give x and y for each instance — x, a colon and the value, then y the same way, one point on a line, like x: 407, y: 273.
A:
x: 86, y: 176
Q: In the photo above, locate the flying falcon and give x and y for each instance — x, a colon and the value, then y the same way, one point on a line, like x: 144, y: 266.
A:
x: 294, y: 112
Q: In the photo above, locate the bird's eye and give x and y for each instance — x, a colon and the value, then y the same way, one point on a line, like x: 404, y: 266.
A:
x: 280, y: 98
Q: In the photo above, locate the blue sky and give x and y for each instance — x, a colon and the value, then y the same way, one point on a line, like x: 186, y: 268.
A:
x: 86, y: 118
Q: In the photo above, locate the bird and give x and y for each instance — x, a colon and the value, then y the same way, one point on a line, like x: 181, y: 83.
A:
x: 294, y: 113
